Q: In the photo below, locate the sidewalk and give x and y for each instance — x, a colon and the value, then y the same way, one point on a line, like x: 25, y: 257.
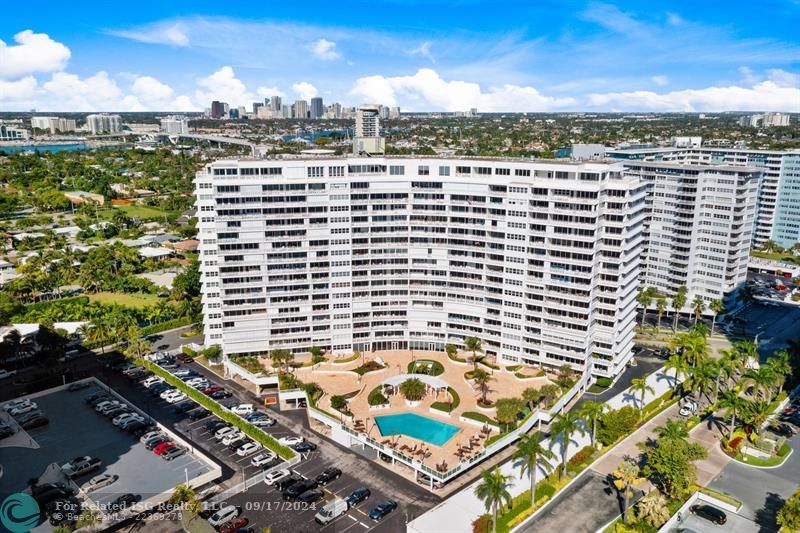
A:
x: 708, y: 433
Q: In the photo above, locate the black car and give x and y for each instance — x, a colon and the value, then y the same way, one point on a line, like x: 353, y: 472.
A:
x: 198, y: 414
x: 305, y: 446
x: 158, y: 388
x: 124, y: 501
x: 36, y: 422
x: 214, y: 426
x: 184, y: 406
x: 38, y: 489
x: 310, y: 496
x: 229, y: 405
x: 299, y: 488
x: 237, y: 443
x: 710, y: 513
x: 358, y: 496
x: 329, y: 474
x: 43, y: 498
x: 101, y: 398
x: 220, y: 395
x: 783, y: 430
x: 287, y: 482
x: 89, y: 398
x: 27, y: 417
x: 5, y: 432
x: 382, y: 509
x: 135, y: 426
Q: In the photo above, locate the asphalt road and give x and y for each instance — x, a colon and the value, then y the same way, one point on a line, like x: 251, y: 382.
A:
x: 774, y: 326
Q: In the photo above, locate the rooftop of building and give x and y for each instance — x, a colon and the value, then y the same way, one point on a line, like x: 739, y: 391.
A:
x: 694, y: 166
x: 663, y: 149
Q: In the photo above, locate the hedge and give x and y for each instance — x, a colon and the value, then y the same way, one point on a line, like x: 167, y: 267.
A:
x: 446, y: 406
x: 248, y: 429
x: 521, y: 506
x: 480, y: 417
x: 164, y: 326
x: 347, y: 359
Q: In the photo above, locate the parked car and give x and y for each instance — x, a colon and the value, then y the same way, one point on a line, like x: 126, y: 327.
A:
x: 783, y: 430
x: 311, y: 496
x: 176, y: 397
x: 116, y: 410
x: 200, y: 385
x: 133, y: 425
x: 13, y: 404
x: 234, y: 525
x: 184, y: 406
x: 358, y: 496
x: 226, y: 514
x: 224, y: 432
x: 164, y: 446
x: 48, y: 496
x: 710, y: 513
x: 220, y: 394
x: 296, y: 489
x: 172, y: 453
x: 287, y: 482
x: 27, y: 417
x: 382, y: 509
x: 243, y: 409
x: 263, y: 458
x: 6, y: 431
x: 22, y: 409
x: 262, y: 422
x: 304, y: 446
x: 165, y: 393
x: 149, y: 382
x: 79, y: 385
x: 44, y: 487
x: 124, y: 501
x: 212, y: 389
x: 156, y: 441
x: 248, y: 449
x: 290, y: 441
x: 98, y: 482
x: 329, y: 474
x: 5, y: 374
x: 125, y: 417
x: 688, y: 409
x: 331, y: 511
x: 232, y: 436
x: 237, y: 443
x: 37, y: 422
x: 198, y: 414
x: 276, y: 476
x: 214, y: 425
x: 185, y: 358
x: 149, y: 435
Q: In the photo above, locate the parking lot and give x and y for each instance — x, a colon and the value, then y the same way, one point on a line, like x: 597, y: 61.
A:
x: 76, y: 429
x: 774, y: 325
x: 734, y: 524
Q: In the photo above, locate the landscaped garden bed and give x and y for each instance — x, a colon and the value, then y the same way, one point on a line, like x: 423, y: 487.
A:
x: 369, y: 366
x: 448, y: 407
x: 426, y: 366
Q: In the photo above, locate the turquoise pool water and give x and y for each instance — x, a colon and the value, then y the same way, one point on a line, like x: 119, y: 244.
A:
x: 416, y: 426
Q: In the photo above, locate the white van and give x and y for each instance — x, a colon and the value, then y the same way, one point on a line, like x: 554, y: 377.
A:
x: 331, y: 511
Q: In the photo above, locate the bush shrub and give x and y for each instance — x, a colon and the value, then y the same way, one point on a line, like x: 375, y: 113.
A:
x: 369, y: 366
x: 480, y: 417
x: 603, y: 382
x: 735, y: 442
x: 617, y: 423
x: 482, y: 524
x: 376, y: 397
x: 338, y: 402
x: 448, y: 407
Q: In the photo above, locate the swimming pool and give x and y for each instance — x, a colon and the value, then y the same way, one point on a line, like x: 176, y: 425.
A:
x: 416, y: 426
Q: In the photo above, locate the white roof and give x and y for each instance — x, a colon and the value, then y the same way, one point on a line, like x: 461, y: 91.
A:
x: 431, y: 381
x: 155, y: 252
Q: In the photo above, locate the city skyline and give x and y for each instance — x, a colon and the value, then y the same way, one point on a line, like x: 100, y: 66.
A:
x: 581, y: 56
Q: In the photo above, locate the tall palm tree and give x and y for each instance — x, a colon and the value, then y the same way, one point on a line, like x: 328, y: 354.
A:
x: 678, y: 364
x: 492, y: 490
x: 530, y: 453
x: 565, y: 424
x: 700, y: 380
x: 645, y: 299
x: 451, y: 350
x: 673, y: 429
x: 661, y: 308
x: 641, y: 386
x: 763, y: 379
x: 733, y: 405
x: 698, y: 306
x: 628, y: 473
x: 482, y: 378
x: 473, y: 344
x: 781, y: 365
x: 590, y: 412
x: 729, y: 365
x: 755, y: 413
x: 718, y: 308
x: 678, y: 301
x: 747, y: 350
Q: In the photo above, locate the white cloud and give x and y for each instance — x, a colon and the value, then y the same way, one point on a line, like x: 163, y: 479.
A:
x: 763, y: 96
x: 426, y: 90
x: 34, y: 52
x: 223, y: 85
x: 160, y: 33
x: 269, y: 92
x: 95, y: 93
x: 305, y: 90
x: 325, y: 50
x: 153, y: 95
x: 660, y: 80
x: 781, y: 78
x: 424, y: 50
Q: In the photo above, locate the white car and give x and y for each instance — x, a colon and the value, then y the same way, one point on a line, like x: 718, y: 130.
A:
x: 688, y: 409
x: 243, y: 409
x: 149, y: 435
x: 223, y: 432
x: 98, y: 482
x: 247, y: 449
x: 152, y: 380
x: 102, y: 405
x: 262, y: 459
x: 290, y: 441
x: 166, y: 393
x: 192, y: 381
x: 230, y: 437
x: 6, y: 374
x: 22, y: 409
x: 13, y: 404
x: 112, y: 406
x: 175, y: 397
x: 225, y: 514
x: 276, y: 475
x: 125, y: 417
x: 180, y: 372
x: 132, y: 370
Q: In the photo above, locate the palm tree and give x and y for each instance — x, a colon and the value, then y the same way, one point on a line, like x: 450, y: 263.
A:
x: 700, y: 380
x: 718, y: 308
x: 565, y: 424
x: 645, y: 299
x: 627, y: 473
x: 589, y: 412
x: 184, y: 494
x: 733, y: 405
x: 729, y: 365
x: 678, y: 364
x: 492, y: 490
x: 661, y: 308
x: 698, y: 306
x: 532, y: 397
x: 136, y: 344
x: 762, y: 378
x: 678, y: 301
x: 641, y: 386
x: 755, y: 413
x: 530, y: 452
x: 673, y: 429
x: 781, y: 365
x: 482, y: 378
x: 473, y: 344
x: 412, y: 389
x: 451, y: 350
x: 747, y: 350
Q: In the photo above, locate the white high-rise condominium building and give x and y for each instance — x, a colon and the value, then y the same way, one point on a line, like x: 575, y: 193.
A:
x: 300, y: 109
x: 539, y: 259
x: 54, y: 124
x: 103, y: 123
x: 767, y: 120
x: 699, y: 227
x: 175, y: 125
x: 367, y: 139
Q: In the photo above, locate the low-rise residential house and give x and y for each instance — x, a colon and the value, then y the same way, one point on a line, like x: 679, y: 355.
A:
x: 83, y: 197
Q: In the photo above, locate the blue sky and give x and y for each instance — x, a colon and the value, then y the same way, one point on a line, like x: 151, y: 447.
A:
x: 496, y: 56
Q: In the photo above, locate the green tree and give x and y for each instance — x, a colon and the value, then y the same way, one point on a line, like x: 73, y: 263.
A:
x: 678, y: 364
x: 673, y: 429
x: 661, y: 308
x: 733, y: 404
x: 789, y: 514
x: 481, y: 378
x: 698, y: 306
x: 136, y: 345
x: 781, y: 366
x: 641, y: 386
x: 187, y: 284
x: 762, y: 378
x: 718, y: 308
x: 492, y: 490
x: 590, y: 412
x: 565, y: 424
x: 507, y: 410
x: 645, y: 299
x: 451, y: 350
x: 678, y: 301
x: 670, y: 465
x: 755, y: 413
x: 532, y: 397
x: 412, y: 389
x: 628, y: 474
x: 473, y: 344
x: 530, y: 453
x: 281, y: 357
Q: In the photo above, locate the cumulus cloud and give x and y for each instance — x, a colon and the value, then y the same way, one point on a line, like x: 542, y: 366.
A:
x: 269, y: 92
x: 97, y: 92
x: 151, y: 94
x: 223, y: 85
x: 324, y: 49
x: 305, y: 90
x: 34, y: 52
x: 160, y: 33
x: 660, y: 80
x: 426, y: 90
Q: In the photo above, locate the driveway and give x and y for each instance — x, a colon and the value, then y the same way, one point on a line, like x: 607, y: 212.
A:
x: 646, y: 363
x: 762, y: 490
x: 708, y: 433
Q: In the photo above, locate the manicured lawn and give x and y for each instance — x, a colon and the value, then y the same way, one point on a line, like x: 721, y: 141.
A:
x: 128, y: 300
x: 140, y: 211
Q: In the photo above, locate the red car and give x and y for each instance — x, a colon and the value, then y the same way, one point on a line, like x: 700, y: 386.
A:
x: 183, y: 358
x: 212, y: 389
x: 161, y: 448
x: 233, y: 525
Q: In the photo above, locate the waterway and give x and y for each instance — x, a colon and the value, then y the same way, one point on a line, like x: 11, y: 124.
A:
x: 41, y: 148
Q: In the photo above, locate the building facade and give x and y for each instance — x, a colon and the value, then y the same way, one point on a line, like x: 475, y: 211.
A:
x: 12, y: 133
x: 317, y: 108
x: 367, y: 139
x: 175, y: 125
x: 54, y: 124
x: 103, y: 123
x: 699, y: 227
x: 300, y: 109
x: 540, y: 260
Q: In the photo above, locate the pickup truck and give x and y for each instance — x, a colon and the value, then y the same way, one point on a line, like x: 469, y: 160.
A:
x: 81, y: 465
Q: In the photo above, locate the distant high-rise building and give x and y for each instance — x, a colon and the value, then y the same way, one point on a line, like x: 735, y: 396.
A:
x: 54, y: 124
x: 300, y: 109
x: 767, y: 120
x: 264, y: 112
x: 394, y: 112
x: 103, y: 123
x: 233, y: 113
x: 317, y: 108
x: 275, y: 104
x: 335, y: 110
x: 217, y: 109
x: 383, y: 111
x: 256, y: 106
x: 225, y: 109
x: 175, y: 125
x: 367, y: 138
